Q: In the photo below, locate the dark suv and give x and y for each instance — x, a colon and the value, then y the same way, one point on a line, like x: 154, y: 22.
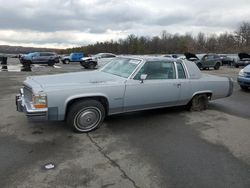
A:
x: 244, y: 60
x: 205, y: 61
x: 48, y: 58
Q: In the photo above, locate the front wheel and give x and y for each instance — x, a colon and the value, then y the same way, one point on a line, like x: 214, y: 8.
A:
x: 51, y: 63
x: 217, y: 66
x: 66, y: 61
x: 91, y: 65
x: 86, y: 115
x: 83, y: 64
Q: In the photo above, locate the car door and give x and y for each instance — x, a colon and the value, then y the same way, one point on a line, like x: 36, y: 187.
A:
x: 185, y: 84
x: 36, y: 58
x: 42, y: 57
x: 211, y: 60
x: 160, y: 89
x: 205, y: 61
x: 46, y: 57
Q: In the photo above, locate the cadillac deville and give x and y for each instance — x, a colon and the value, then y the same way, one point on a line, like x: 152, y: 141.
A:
x: 84, y: 99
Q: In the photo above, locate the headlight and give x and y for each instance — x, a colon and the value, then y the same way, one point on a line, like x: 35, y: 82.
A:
x: 39, y: 101
x: 241, y: 73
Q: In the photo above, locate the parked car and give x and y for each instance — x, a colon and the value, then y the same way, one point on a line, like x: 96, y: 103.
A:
x: 205, y: 61
x: 92, y: 62
x: 73, y: 57
x: 244, y: 60
x: 125, y: 84
x: 48, y: 58
x: 226, y: 60
x: 171, y: 56
x: 244, y: 78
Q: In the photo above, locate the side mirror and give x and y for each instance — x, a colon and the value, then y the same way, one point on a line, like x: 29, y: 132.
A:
x: 143, y: 77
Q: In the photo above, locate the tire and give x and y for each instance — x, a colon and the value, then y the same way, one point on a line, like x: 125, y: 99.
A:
x: 245, y: 88
x: 85, y: 116
x: 83, y: 65
x: 91, y: 65
x: 66, y: 61
x: 27, y: 64
x: 217, y: 66
x: 199, y: 102
x: 199, y: 65
x: 236, y: 66
x: 51, y: 63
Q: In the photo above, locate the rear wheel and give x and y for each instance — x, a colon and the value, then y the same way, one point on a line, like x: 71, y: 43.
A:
x: 86, y: 115
x: 199, y: 102
x: 217, y: 66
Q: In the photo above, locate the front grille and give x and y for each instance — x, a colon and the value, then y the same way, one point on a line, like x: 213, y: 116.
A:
x: 27, y: 92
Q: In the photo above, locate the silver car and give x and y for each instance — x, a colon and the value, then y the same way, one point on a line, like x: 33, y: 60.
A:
x: 125, y: 84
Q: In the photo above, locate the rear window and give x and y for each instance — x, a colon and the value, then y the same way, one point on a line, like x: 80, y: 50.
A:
x: 181, y: 71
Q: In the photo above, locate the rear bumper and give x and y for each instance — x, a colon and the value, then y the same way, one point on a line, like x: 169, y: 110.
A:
x: 27, y: 108
x: 231, y: 87
x: 243, y: 81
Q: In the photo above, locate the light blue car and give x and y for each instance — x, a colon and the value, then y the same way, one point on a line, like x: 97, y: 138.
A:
x: 125, y: 84
x: 244, y: 78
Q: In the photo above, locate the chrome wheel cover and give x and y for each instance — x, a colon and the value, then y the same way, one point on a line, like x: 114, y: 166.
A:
x: 87, y: 119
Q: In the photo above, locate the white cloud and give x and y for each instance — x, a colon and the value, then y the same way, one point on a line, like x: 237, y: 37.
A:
x: 67, y: 23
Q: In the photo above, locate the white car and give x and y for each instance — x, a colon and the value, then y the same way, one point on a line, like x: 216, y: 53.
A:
x: 93, y: 61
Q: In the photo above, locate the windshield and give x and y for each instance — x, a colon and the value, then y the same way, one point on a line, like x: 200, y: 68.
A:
x: 123, y: 67
x: 97, y: 55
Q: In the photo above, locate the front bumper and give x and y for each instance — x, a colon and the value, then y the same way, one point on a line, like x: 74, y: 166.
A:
x: 32, y: 113
x: 242, y: 63
x: 243, y: 81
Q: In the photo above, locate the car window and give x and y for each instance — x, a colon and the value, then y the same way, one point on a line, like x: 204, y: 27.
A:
x: 181, y: 72
x: 123, y: 67
x: 44, y: 54
x: 109, y: 56
x: 103, y: 56
x: 157, y: 70
x: 210, y: 57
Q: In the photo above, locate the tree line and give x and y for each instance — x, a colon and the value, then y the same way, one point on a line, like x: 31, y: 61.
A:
x: 166, y: 43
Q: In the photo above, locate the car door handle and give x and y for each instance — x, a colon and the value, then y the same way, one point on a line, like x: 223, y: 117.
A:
x: 177, y: 85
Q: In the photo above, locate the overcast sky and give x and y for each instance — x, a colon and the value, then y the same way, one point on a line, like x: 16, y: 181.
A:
x: 68, y: 23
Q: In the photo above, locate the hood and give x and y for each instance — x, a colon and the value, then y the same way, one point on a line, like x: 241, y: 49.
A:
x: 86, y: 58
x: 244, y: 56
x: 65, y: 57
x: 76, y: 79
x: 189, y: 55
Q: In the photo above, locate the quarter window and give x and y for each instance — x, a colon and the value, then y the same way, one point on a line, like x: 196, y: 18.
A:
x: 157, y: 70
x: 181, y: 72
